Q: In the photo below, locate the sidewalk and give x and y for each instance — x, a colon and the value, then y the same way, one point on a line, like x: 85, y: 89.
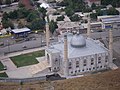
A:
x: 21, y: 52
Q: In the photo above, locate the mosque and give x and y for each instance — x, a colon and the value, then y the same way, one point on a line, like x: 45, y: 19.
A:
x: 74, y: 54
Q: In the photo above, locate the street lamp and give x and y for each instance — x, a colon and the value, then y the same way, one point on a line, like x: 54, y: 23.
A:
x: 8, y: 46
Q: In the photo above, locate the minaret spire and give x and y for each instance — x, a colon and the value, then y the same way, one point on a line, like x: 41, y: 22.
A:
x: 47, y: 34
x: 65, y: 56
x: 88, y: 27
x: 111, y: 45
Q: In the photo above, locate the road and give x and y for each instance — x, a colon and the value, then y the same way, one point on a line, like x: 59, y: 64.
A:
x: 38, y: 43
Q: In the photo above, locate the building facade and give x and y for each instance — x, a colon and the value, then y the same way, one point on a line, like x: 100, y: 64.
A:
x: 74, y: 55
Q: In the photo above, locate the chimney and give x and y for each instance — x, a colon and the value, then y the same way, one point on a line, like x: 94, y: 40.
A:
x: 65, y: 56
x: 47, y: 34
x: 111, y: 45
x: 88, y: 27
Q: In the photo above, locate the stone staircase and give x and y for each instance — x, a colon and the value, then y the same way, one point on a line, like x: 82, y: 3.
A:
x: 39, y: 67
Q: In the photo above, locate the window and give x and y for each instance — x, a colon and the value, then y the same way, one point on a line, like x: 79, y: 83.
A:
x: 89, y: 68
x: 83, y: 70
x: 93, y: 67
x: 99, y: 59
x: 77, y: 64
x: 78, y: 70
x: 84, y: 62
x: 71, y: 72
x: 92, y: 61
x: 100, y: 66
x: 106, y: 59
x: 70, y: 65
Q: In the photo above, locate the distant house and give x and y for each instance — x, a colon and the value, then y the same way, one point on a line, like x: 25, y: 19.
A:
x: 28, y: 4
x: 90, y: 2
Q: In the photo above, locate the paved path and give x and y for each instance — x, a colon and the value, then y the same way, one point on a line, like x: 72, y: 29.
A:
x: 21, y: 52
x: 10, y: 65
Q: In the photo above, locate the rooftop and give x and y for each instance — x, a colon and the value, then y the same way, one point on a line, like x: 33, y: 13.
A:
x: 92, y: 47
x: 21, y: 30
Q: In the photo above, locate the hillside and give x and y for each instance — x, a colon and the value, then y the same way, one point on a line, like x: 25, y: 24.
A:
x: 106, y: 81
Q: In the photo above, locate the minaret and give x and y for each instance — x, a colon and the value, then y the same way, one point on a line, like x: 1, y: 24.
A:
x: 65, y: 56
x: 47, y: 34
x: 88, y: 27
x: 110, y: 46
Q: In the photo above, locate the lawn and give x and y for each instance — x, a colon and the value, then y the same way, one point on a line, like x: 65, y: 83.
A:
x: 1, y: 66
x: 3, y: 75
x: 27, y: 59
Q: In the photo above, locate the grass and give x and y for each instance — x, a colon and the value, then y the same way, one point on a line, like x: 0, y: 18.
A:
x: 3, y: 75
x: 27, y: 59
x: 1, y: 66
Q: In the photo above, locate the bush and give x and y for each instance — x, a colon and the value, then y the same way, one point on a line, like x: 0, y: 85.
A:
x: 61, y: 18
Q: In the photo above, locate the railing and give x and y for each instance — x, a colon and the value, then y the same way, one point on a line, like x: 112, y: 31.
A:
x: 3, y: 79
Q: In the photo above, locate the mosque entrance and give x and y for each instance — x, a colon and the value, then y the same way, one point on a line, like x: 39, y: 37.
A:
x: 48, y: 59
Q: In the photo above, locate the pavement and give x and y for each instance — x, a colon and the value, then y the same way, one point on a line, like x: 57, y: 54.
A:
x: 21, y: 72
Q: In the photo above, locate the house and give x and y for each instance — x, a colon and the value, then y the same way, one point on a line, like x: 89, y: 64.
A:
x: 90, y: 2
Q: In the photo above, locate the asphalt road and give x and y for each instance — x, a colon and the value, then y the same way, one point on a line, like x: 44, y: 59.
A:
x: 38, y: 42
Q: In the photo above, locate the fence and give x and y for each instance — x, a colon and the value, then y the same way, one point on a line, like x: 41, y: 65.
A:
x: 2, y: 79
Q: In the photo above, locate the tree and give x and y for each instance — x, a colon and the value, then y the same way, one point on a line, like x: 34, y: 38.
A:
x: 93, y: 6
x: 60, y: 18
x: 37, y: 24
x: 5, y: 16
x: 13, y: 14
x: 7, y: 24
x: 31, y: 17
x: 20, y: 5
x: 8, y: 2
x: 1, y: 2
x: 69, y: 11
x: 112, y: 11
x: 52, y: 26
x: 75, y: 17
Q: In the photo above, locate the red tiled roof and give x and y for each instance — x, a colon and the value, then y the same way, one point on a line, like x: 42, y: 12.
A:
x: 27, y: 4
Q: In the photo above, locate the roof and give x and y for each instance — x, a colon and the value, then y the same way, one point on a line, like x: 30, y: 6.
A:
x: 111, y: 20
x: 92, y: 47
x: 21, y: 30
x: 27, y: 4
x: 63, y: 24
x: 44, y: 5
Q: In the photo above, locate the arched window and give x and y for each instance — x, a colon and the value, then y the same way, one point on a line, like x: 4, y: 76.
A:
x: 106, y: 59
x: 70, y: 65
x: 84, y: 62
x: 99, y: 59
x: 92, y: 61
x: 77, y: 64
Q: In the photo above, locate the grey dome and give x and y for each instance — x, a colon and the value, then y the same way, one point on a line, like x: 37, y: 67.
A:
x: 78, y: 41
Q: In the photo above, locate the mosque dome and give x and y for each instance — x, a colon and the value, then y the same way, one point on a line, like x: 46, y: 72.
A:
x: 78, y: 41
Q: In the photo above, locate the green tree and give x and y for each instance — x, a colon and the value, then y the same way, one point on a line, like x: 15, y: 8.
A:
x: 69, y: 11
x: 52, y: 26
x: 7, y: 24
x: 31, y: 17
x: 8, y: 2
x: 5, y: 16
x: 20, y: 5
x: 37, y: 24
x: 112, y: 11
x: 93, y: 6
x: 13, y: 14
x: 60, y: 18
x: 75, y: 17
x: 1, y: 2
